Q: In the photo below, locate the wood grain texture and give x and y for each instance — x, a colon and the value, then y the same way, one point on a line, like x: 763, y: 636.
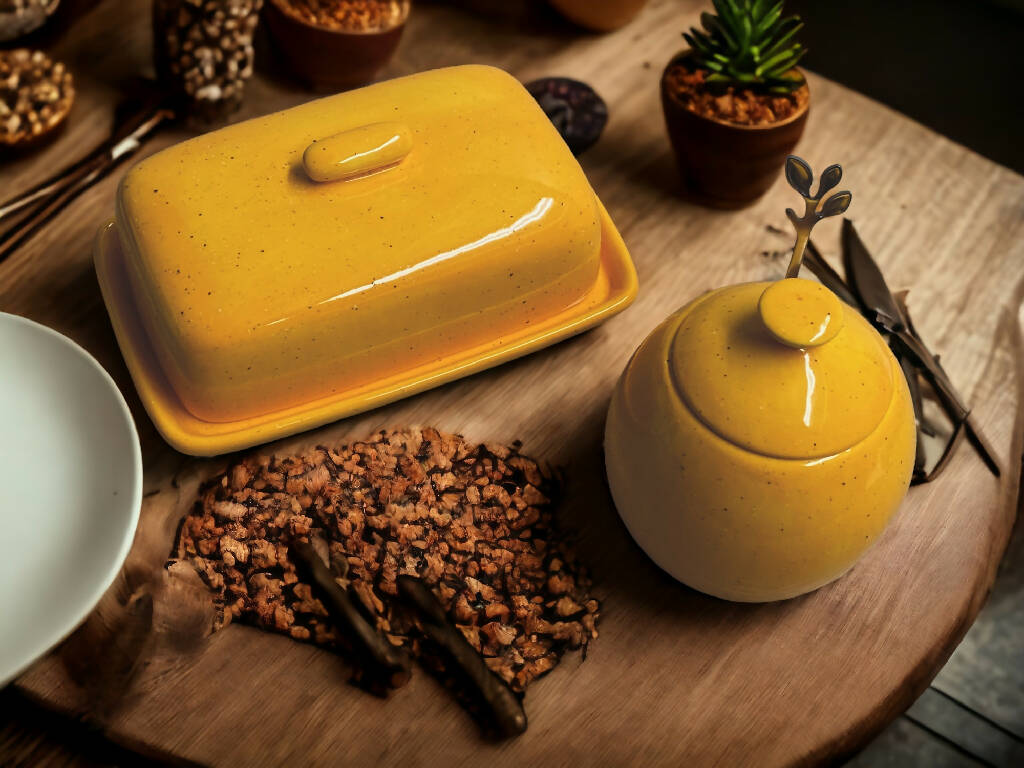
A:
x: 675, y: 677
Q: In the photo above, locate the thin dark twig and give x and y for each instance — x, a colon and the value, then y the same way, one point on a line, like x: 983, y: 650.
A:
x: 385, y: 663
x: 505, y: 710
x: 43, y: 201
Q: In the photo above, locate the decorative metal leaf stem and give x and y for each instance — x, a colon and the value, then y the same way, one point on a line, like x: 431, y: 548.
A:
x: 799, y: 176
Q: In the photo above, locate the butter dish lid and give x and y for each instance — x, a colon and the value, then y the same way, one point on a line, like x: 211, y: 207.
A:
x: 309, y: 252
x: 302, y: 267
x: 782, y: 369
x: 254, y: 214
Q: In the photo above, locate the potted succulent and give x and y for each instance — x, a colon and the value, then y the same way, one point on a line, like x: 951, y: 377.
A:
x: 599, y: 15
x: 735, y: 103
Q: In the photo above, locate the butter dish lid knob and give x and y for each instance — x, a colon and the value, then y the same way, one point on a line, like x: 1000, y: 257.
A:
x: 800, y: 313
x: 358, y: 152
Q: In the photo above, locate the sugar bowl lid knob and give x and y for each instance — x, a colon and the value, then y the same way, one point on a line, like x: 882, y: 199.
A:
x: 800, y: 313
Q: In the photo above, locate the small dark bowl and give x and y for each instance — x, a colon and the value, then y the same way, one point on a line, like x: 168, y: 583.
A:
x: 329, y: 59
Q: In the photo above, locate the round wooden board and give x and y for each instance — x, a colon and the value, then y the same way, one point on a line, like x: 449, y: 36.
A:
x: 675, y: 677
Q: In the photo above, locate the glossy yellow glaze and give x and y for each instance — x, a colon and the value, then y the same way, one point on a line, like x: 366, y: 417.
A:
x: 614, y: 290
x: 357, y: 152
x: 749, y: 500
x: 262, y: 290
x: 769, y: 397
x: 800, y: 313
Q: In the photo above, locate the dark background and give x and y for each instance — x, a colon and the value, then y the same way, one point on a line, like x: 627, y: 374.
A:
x: 954, y: 65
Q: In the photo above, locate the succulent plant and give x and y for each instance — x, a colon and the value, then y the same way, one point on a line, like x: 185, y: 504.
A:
x: 748, y: 43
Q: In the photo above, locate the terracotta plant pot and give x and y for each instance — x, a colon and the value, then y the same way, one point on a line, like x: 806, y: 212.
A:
x: 329, y: 59
x: 599, y: 15
x: 724, y: 165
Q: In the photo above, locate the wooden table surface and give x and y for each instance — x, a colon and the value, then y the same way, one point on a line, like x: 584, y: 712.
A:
x: 675, y: 677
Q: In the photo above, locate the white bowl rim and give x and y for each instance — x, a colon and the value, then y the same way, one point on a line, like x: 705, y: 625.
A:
x: 73, y: 621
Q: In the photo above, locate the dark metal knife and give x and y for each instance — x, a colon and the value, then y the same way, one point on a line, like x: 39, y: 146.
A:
x: 867, y: 281
x: 888, y: 316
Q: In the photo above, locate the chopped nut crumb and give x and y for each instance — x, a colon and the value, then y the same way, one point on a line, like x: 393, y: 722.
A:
x: 407, y: 502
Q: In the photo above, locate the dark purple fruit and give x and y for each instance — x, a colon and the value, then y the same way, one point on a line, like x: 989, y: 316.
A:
x: 574, y: 108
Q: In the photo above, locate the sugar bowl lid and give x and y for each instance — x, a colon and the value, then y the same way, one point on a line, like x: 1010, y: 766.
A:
x: 782, y: 369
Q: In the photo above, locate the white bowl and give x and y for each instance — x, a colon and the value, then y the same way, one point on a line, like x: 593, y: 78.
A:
x: 70, y: 488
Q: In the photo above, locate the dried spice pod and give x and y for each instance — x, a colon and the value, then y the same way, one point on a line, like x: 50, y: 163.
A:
x: 203, y: 52
x: 574, y: 108
x: 335, y: 44
x: 36, y: 94
x: 504, y: 710
x: 20, y: 17
x: 384, y: 664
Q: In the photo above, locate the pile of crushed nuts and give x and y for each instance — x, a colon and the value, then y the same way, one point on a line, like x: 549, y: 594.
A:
x: 204, y: 51
x: 36, y: 94
x: 474, y: 522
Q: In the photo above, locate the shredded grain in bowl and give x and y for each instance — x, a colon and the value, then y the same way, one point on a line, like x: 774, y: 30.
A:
x: 475, y: 522
x: 348, y: 15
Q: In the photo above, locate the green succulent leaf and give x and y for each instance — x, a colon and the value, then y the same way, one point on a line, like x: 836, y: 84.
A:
x: 780, y: 62
x: 714, y: 27
x: 777, y: 45
x: 769, y: 20
x: 748, y: 42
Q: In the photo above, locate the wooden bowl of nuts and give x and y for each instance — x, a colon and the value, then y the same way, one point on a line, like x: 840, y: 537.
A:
x: 335, y: 44
x: 36, y: 94
x: 204, y: 54
x: 20, y: 17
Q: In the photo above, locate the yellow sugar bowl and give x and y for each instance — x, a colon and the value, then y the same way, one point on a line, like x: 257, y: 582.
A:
x: 760, y: 439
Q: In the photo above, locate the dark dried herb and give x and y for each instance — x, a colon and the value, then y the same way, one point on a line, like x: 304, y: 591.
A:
x: 574, y: 108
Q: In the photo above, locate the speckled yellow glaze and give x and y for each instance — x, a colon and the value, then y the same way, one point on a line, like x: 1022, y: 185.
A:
x: 800, y: 314
x: 749, y: 469
x: 337, y: 255
x: 267, y: 289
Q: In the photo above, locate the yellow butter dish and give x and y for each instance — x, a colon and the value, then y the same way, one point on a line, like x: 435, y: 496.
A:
x: 301, y: 267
